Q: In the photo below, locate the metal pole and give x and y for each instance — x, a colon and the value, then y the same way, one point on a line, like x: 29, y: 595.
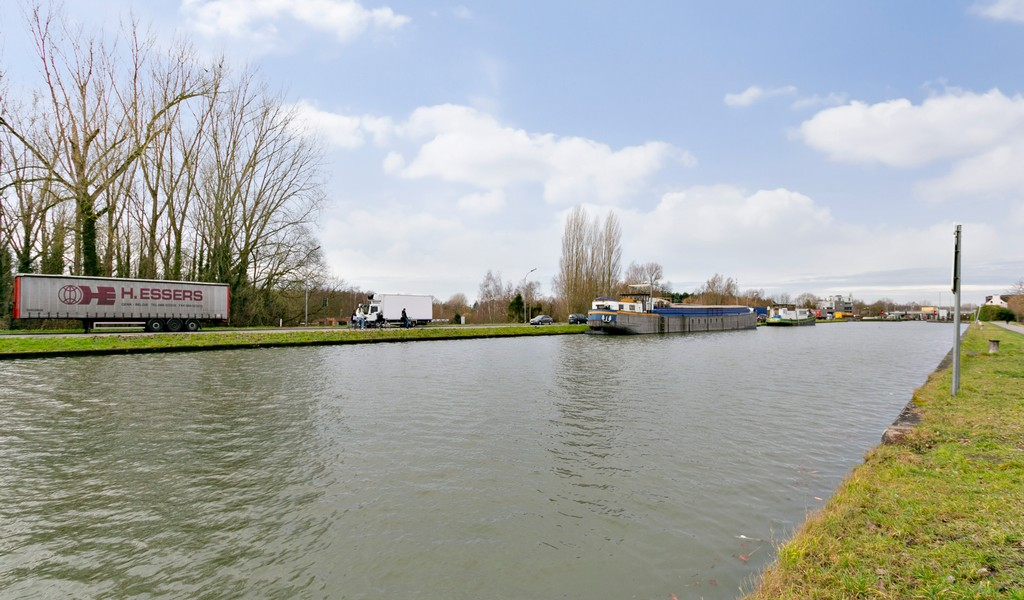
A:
x: 956, y: 313
x: 306, y: 322
x: 526, y: 318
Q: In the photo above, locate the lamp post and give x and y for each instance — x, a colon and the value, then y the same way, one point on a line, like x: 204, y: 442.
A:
x: 305, y: 281
x: 526, y: 304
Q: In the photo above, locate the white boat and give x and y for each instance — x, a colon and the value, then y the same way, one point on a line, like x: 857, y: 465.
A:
x: 789, y: 316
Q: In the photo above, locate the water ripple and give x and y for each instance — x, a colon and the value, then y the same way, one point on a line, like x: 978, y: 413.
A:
x: 524, y: 468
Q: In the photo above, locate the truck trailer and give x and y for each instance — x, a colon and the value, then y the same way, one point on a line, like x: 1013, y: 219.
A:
x: 419, y: 309
x: 154, y: 304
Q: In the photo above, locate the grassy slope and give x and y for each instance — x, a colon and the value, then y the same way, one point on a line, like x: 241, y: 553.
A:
x: 940, y: 515
x: 67, y: 345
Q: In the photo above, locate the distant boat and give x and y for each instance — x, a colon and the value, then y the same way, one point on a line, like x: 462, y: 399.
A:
x: 632, y: 314
x: 789, y: 316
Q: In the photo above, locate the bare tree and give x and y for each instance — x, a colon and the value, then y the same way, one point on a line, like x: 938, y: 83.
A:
x: 457, y: 304
x: 258, y: 193
x: 574, y: 267
x: 608, y: 256
x: 718, y: 290
x: 649, y: 273
x: 806, y: 300
x: 24, y: 201
x: 754, y: 298
x: 492, y: 299
x: 1016, y: 301
x: 97, y: 126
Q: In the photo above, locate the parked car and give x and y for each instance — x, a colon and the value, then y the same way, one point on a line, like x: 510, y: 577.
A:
x: 577, y: 319
x: 541, y: 320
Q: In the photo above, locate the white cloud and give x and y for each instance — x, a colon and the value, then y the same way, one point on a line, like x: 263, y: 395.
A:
x: 393, y: 163
x: 708, y: 216
x: 1000, y: 10
x: 900, y: 134
x: 986, y: 175
x: 464, y: 145
x: 460, y: 144
x: 754, y: 94
x: 258, y: 21
x: 342, y: 131
x: 816, y: 101
x: 486, y: 202
x: 337, y: 130
x: 426, y: 254
x: 1016, y: 217
x: 781, y: 240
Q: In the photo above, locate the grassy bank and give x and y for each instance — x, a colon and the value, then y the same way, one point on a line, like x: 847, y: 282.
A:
x: 54, y: 345
x: 939, y: 515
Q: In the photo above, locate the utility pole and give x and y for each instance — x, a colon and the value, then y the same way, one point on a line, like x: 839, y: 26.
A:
x: 526, y: 317
x: 956, y: 312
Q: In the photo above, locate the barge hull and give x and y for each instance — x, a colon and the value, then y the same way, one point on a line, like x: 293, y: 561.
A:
x: 646, y: 323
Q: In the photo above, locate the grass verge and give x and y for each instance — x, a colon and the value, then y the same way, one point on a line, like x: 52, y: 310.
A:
x: 52, y: 345
x: 939, y: 515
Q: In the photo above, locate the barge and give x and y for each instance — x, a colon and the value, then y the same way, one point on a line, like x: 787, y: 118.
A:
x: 640, y: 314
x: 790, y: 316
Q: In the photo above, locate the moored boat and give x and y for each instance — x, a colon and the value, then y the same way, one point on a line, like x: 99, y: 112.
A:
x: 789, y: 316
x: 638, y: 313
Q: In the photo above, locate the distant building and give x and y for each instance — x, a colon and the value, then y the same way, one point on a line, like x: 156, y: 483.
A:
x: 1002, y: 301
x: 830, y: 305
x: 934, y: 313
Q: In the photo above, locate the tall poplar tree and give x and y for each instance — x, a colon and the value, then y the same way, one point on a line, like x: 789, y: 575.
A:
x: 591, y: 259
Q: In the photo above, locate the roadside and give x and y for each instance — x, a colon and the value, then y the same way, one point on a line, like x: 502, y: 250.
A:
x: 940, y: 514
x: 1010, y: 326
x: 40, y: 346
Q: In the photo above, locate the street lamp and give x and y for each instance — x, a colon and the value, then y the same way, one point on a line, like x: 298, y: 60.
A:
x: 306, y: 282
x: 526, y: 304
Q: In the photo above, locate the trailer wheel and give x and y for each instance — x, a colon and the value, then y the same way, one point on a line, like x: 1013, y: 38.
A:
x: 192, y: 325
x: 154, y: 325
x: 174, y: 325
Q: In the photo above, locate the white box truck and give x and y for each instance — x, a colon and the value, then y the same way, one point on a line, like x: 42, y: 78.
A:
x: 155, y: 304
x: 419, y: 309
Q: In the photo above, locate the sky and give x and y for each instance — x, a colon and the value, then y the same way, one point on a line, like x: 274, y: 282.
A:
x: 814, y: 146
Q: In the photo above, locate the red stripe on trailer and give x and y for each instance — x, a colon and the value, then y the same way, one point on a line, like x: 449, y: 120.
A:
x: 17, y: 297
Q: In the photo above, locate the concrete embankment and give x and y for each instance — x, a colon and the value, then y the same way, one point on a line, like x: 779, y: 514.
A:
x: 939, y: 511
x: 94, y: 345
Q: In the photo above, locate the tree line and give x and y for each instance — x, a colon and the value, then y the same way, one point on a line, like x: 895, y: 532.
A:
x: 128, y: 159
x: 131, y: 159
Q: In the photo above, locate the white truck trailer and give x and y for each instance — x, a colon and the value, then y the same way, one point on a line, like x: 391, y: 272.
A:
x: 155, y: 304
x: 419, y: 309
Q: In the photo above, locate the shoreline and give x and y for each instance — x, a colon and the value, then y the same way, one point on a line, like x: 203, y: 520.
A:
x: 35, y: 347
x: 910, y: 416
x: 936, y: 509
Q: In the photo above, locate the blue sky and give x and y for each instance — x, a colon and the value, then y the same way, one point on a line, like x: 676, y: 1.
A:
x: 823, y: 147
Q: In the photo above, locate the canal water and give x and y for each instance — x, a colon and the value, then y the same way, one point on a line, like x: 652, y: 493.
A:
x: 555, y: 467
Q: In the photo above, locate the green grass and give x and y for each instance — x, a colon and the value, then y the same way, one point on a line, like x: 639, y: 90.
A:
x: 939, y: 515
x: 62, y: 345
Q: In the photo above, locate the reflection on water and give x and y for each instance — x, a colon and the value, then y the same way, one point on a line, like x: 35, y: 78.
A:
x: 570, y: 466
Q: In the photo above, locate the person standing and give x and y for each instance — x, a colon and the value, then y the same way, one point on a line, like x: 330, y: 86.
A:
x: 405, y: 319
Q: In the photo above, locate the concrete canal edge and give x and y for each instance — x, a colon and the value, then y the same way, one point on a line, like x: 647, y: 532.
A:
x: 910, y: 416
x: 938, y: 509
x: 258, y: 345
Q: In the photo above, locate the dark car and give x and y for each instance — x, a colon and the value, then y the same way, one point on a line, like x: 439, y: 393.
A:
x: 577, y: 319
x: 541, y: 320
